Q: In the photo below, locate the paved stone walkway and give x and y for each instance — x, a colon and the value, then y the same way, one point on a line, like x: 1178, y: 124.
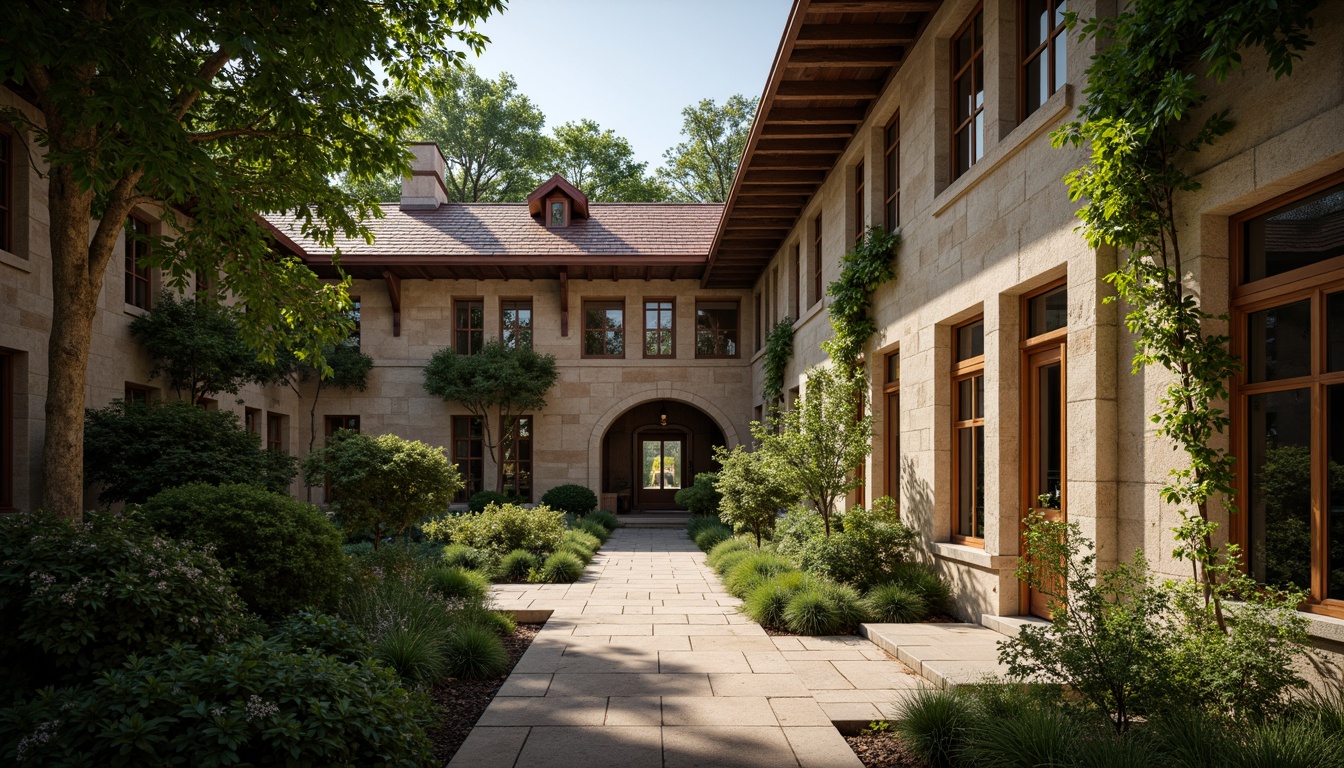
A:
x: 646, y: 661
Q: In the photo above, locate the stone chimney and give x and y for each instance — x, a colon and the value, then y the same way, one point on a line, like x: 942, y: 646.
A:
x: 424, y: 189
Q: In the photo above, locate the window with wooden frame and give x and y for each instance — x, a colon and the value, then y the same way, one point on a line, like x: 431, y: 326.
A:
x: 252, y: 420
x: 659, y: 329
x: 515, y: 323
x: 716, y: 328
x: 1288, y: 400
x: 795, y: 305
x: 468, y: 326
x: 891, y: 165
x: 891, y: 426
x: 1043, y: 53
x: 6, y: 431
x: 354, y: 314
x: 557, y: 212
x: 203, y: 282
x: 137, y: 250
x: 968, y: 432
x: 968, y: 93
x: 769, y: 294
x: 469, y: 454
x: 276, y: 428
x: 7, y: 193
x: 334, y: 424
x: 604, y: 329
x: 860, y: 216
x: 516, y: 468
x: 760, y: 332
x: 138, y: 394
x: 816, y: 260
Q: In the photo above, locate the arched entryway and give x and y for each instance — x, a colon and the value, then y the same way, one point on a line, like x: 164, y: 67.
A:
x: 655, y: 449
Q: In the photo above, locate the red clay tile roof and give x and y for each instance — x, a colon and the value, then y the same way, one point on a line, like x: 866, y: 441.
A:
x: 506, y: 229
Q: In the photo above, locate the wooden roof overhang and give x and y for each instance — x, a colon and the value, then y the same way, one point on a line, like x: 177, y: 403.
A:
x: 834, y: 60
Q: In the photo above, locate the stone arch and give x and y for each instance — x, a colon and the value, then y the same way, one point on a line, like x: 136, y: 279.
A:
x: 730, y: 432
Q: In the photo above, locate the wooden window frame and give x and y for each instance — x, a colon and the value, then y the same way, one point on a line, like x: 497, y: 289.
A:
x: 962, y: 371
x: 333, y: 422
x: 671, y: 331
x: 816, y: 260
x: 891, y: 169
x: 251, y: 421
x: 1028, y: 347
x: 551, y: 223
x: 583, y: 335
x: 276, y: 424
x: 464, y: 463
x: 760, y: 333
x: 859, y: 195
x: 517, y: 304
x: 457, y: 329
x: 891, y: 425
x: 6, y: 432
x: 137, y: 275
x: 736, y: 330
x: 130, y: 391
x: 968, y: 70
x: 514, y: 441
x: 1314, y: 282
x: 796, y: 307
x: 1024, y: 57
x: 8, y: 183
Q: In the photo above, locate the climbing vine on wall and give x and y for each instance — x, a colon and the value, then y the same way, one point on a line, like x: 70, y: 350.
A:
x: 870, y: 264
x: 1139, y: 125
x: 778, y: 350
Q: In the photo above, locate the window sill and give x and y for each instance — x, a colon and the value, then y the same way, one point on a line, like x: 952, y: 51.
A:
x: 972, y: 556
x: 17, y: 262
x: 808, y: 314
x: 134, y: 311
x: 1038, y: 122
x: 1326, y: 628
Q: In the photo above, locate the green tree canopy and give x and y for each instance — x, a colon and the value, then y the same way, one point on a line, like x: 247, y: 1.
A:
x: 600, y: 163
x: 223, y: 112
x: 702, y: 167
x: 754, y: 488
x: 197, y: 346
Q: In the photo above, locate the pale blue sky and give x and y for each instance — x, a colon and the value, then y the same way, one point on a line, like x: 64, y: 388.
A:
x: 632, y: 65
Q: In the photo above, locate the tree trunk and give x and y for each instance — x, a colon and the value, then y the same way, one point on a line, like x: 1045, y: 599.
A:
x: 76, y: 284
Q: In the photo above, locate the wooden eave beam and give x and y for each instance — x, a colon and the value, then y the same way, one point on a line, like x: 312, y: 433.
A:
x: 810, y: 90
x: 762, y: 222
x: 755, y: 177
x: 816, y: 115
x: 795, y: 162
x: 857, y: 34
x: 773, y: 146
x: 394, y: 294
x: 847, y: 57
x: 823, y: 7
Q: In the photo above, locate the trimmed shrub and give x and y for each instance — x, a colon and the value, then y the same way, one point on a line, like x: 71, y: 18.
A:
x: 868, y: 549
x: 798, y: 526
x: 849, y: 607
x: 500, y: 529
x: 588, y: 540
x: 722, y: 549
x: 812, y: 612
x: 603, y: 518
x: 516, y: 565
x: 416, y: 654
x: 595, y: 530
x: 467, y: 558
x: 711, y: 537
x: 578, y: 550
x: 310, y: 631
x: 896, y: 604
x: 753, y: 569
x: 392, y: 607
x: 571, y: 498
x: 561, y: 568
x: 766, y: 603
x: 76, y: 600
x: 252, y: 703
x: 475, y: 652
x: 281, y: 554
x: 482, y: 499
x: 458, y: 584
x: 701, y: 498
x: 396, y: 557
x: 922, y: 580
x: 935, y: 724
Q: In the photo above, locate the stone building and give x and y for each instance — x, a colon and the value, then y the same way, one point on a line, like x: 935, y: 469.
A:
x: 999, y: 373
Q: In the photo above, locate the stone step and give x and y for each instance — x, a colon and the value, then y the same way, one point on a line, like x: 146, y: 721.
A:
x: 655, y: 520
x: 1011, y: 625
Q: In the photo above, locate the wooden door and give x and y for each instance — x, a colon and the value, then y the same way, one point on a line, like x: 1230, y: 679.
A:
x: 1044, y: 465
x: 661, y: 469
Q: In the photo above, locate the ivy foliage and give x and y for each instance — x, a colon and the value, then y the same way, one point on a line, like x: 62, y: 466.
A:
x: 1141, y: 123
x: 778, y: 350
x: 862, y: 271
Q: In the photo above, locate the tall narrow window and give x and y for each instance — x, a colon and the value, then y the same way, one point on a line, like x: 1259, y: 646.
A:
x: 515, y: 323
x: 716, y: 329
x: 859, y: 215
x: 1044, y: 44
x: 659, y: 339
x: 1288, y: 401
x: 1043, y: 433
x: 137, y: 277
x: 760, y: 332
x: 795, y: 306
x: 6, y: 431
x: 516, y: 469
x: 276, y: 426
x: 252, y: 420
x: 767, y: 294
x: 968, y: 432
x: 7, y: 222
x: 891, y: 395
x: 355, y: 316
x: 469, y: 454
x: 891, y: 153
x: 468, y: 326
x: 603, y: 329
x: 968, y: 94
x: 816, y: 260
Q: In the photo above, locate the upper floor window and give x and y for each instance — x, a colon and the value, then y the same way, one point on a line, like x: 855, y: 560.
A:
x: 891, y: 153
x: 816, y: 260
x: 7, y: 222
x: 515, y: 323
x: 659, y: 338
x: 354, y: 315
x: 334, y: 424
x: 277, y: 427
x: 557, y: 213
x: 468, y: 326
x: 1044, y: 51
x: 795, y: 311
x: 716, y: 329
x: 858, y: 202
x: 968, y: 93
x: 603, y: 329
x: 6, y: 431
x: 137, y: 250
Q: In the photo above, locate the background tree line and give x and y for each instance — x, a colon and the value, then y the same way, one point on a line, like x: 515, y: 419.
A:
x: 495, y: 143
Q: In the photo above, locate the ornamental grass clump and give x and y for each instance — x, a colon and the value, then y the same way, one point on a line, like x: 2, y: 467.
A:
x: 594, y: 529
x: 498, y: 622
x: 458, y: 583
x: 698, y: 523
x: 813, y: 612
x: 752, y: 570
x: 560, y: 568
x: 896, y: 604
x: 935, y: 725
x: 516, y: 565
x: 468, y: 558
x: 603, y: 518
x: 848, y: 604
x: 475, y: 652
x: 417, y: 655
x: 725, y: 548
x: 711, y: 536
x: 924, y: 582
x: 765, y: 603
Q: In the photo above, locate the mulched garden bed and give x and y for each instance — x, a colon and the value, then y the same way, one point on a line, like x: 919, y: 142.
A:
x: 459, y: 703
x: 883, y: 750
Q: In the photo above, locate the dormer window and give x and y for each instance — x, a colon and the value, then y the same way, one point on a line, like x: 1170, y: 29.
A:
x: 556, y: 203
x: 557, y: 213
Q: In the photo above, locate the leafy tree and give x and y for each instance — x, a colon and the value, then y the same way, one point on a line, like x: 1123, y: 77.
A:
x: 701, y: 497
x: 820, y: 442
x: 498, y: 381
x: 133, y: 451
x: 384, y: 483
x: 754, y: 488
x: 347, y: 369
x: 601, y: 164
x: 196, y: 344
x: 225, y: 111
x: 702, y: 167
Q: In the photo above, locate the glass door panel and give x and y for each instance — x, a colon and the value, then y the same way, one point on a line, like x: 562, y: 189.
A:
x: 1278, y: 434
x: 662, y: 464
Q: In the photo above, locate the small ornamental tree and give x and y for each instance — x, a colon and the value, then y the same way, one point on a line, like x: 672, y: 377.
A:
x: 754, y: 489
x: 821, y: 441
x: 701, y: 497
x: 497, y: 384
x: 198, y: 347
x: 347, y: 369
x: 384, y: 483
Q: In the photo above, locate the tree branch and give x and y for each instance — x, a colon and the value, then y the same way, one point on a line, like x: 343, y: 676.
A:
x: 205, y: 74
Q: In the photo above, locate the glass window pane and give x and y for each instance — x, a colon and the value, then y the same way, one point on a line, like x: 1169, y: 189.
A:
x: 1334, y: 569
x: 1278, y: 459
x: 592, y: 342
x: 1298, y: 235
x: 1060, y: 48
x: 893, y: 368
x: 1278, y: 342
x: 965, y: 399
x: 1049, y: 481
x: 970, y: 341
x: 965, y: 481
x: 1036, y: 82
x: 1037, y: 22
x: 979, y: 396
x: 653, y: 464
x: 965, y: 99
x: 1334, y: 332
x: 1047, y: 312
x: 979, y: 482
x: 672, y: 464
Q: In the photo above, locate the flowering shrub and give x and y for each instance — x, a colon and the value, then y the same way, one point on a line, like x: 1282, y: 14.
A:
x: 501, y: 528
x: 78, y: 599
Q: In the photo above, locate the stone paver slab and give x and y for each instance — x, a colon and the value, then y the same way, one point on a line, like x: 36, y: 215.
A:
x: 490, y: 748
x: 726, y: 747
x: 607, y: 747
x: 541, y: 710
x: 565, y: 685
x: 683, y: 710
x: 821, y: 748
x: 756, y: 685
